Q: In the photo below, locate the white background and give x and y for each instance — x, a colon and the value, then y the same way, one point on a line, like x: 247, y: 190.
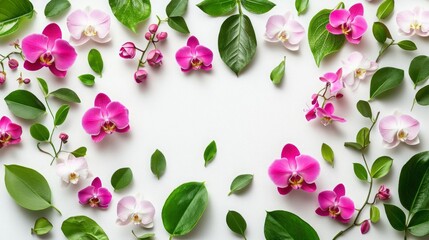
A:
x: 250, y: 119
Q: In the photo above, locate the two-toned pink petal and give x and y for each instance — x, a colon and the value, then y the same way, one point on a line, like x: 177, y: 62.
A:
x: 347, y: 207
x: 101, y: 101
x: 118, y: 114
x: 280, y: 172
x: 184, y: 57
x: 64, y: 55
x: 274, y: 25
x: 92, y: 121
x: 101, y: 21
x: 76, y: 23
x: 53, y: 32
x: 326, y: 199
x: 308, y: 168
x: 338, y: 17
x: 204, y: 54
x: 33, y: 46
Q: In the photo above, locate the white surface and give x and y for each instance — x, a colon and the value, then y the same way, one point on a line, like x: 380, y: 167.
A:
x: 249, y: 117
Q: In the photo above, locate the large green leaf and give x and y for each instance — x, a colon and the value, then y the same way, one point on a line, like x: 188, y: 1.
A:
x: 385, y: 79
x: 39, y: 132
x: 258, y: 6
x: 381, y: 167
x: 217, y: 7
x: 121, y: 178
x: 385, y: 9
x: 395, y: 216
x: 66, y: 95
x: 130, y: 12
x: 322, y: 43
x: 24, y: 104
x: 422, y: 96
x: 176, y: 8
x: 236, y: 223
x: 285, y: 225
x: 237, y: 42
x: 419, y: 224
x: 184, y: 207
x: 82, y: 228
x: 419, y: 69
x: 12, y: 14
x: 301, y: 6
x: 56, y: 7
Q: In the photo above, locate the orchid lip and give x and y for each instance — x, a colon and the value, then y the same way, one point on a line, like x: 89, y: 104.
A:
x: 90, y: 31
x: 74, y: 177
x: 94, y: 201
x: 296, y: 181
x: 196, y: 63
x: 5, y: 138
x: 346, y: 30
x: 402, y: 135
x: 109, y: 127
x: 46, y: 59
x: 136, y: 219
x: 326, y: 121
x: 334, y: 211
x: 283, y: 36
x: 360, y: 73
x: 416, y: 26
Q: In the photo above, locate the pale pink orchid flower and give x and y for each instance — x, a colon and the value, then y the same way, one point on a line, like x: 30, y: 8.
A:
x: 135, y: 210
x: 283, y: 28
x: 294, y: 171
x: 48, y: 50
x: 106, y: 117
x: 413, y: 22
x: 335, y: 204
x: 83, y: 26
x: 335, y: 81
x: 194, y: 56
x: 326, y: 114
x: 10, y: 133
x: 398, y: 128
x: 95, y: 195
x: 357, y: 68
x: 72, y: 169
x: 349, y: 23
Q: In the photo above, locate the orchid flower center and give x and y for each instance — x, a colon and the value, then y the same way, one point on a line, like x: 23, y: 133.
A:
x: 46, y: 59
x: 360, y: 73
x: 402, y: 135
x: 296, y: 181
x: 283, y: 36
x: 346, y: 29
x: 416, y: 25
x: 90, y: 31
x: 5, y: 138
x: 196, y: 63
x: 326, y: 120
x: 136, y: 219
x: 94, y: 201
x: 109, y: 127
x: 334, y: 211
x: 74, y: 177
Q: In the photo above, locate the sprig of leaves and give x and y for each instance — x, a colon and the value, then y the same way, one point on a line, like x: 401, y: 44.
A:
x: 175, y: 11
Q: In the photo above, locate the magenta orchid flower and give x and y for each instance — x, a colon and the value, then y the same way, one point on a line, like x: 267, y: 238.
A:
x: 350, y: 22
x: 10, y: 133
x: 134, y: 210
x: 194, y: 56
x: 356, y: 68
x: 286, y: 30
x: 398, y: 128
x: 72, y: 169
x: 95, y: 195
x: 413, y: 22
x: 334, y: 80
x: 84, y: 26
x: 335, y: 204
x: 48, y: 50
x: 326, y: 114
x: 105, y: 118
x: 311, y: 113
x: 294, y: 171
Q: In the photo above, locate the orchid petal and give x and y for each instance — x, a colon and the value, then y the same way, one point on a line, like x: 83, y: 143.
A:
x: 284, y: 191
x: 290, y: 152
x: 64, y: 55
x: 307, y: 167
x: 274, y: 26
x: 347, y: 207
x: 56, y: 72
x: 99, y: 137
x: 404, y: 19
x: 53, y: 32
x: 85, y: 194
x: 33, y: 46
x: 125, y: 208
x: 356, y: 10
x: 411, y: 125
x: 340, y: 190
x: 92, y: 121
x: 326, y: 199
x: 77, y: 21
x: 193, y: 42
x: 388, y: 128
x: 184, y: 57
x: 32, y: 66
x: 338, y: 17
x: 204, y: 54
x: 101, y: 101
x: 118, y: 114
x: 280, y: 172
x: 101, y: 22
x: 359, y: 27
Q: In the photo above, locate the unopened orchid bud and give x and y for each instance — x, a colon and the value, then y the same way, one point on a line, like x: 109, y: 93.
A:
x: 140, y: 76
x: 154, y: 58
x: 64, y: 137
x: 365, y: 226
x: 153, y: 28
x: 148, y: 35
x: 2, y: 78
x: 26, y: 81
x: 13, y: 64
x: 128, y: 50
x: 162, y: 36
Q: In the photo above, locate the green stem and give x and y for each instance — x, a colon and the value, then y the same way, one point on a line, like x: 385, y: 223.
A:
x: 43, y: 151
x: 340, y: 6
x: 383, y: 50
x: 171, y: 237
x: 414, y: 103
x: 240, y: 11
x: 56, y: 209
x: 151, y: 41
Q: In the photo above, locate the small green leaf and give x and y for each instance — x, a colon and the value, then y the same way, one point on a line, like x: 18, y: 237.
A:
x: 178, y: 24
x: 422, y: 96
x: 419, y: 224
x: 364, y: 108
x: 146, y: 236
x: 24, y: 104
x: 95, y: 61
x: 278, y: 72
x: 131, y: 12
x: 380, y: 32
x: 43, y: 86
x: 39, y: 132
x: 80, y: 152
x: 176, y: 8
x: 282, y: 225
x: 385, y: 9
x: 395, y: 216
x: 82, y: 227
x: 301, y: 6
x: 61, y: 115
x: 240, y: 182
x: 381, y: 167
x: 327, y: 154
x: 210, y: 153
x: 360, y: 171
x: 87, y: 79
x: 407, y: 45
x: 419, y: 69
x: 353, y: 145
x: 258, y: 6
x: 236, y: 223
x: 42, y: 226
x: 158, y: 163
x: 56, y: 7
x: 66, y: 95
x: 13, y: 15
x: 374, y: 214
x: 385, y: 79
x: 362, y: 137
x: 217, y: 8
x: 121, y: 178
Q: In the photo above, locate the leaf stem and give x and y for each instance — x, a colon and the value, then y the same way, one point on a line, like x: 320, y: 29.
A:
x: 412, y: 106
x: 150, y: 41
x: 383, y: 50
x: 56, y: 209
x: 240, y: 11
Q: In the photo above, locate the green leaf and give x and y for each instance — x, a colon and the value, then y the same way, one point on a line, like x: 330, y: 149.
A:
x: 24, y: 104
x: 145, y: 236
x: 66, y: 95
x: 43, y: 86
x: 184, y: 207
x: 285, y: 225
x: 13, y: 14
x: 240, y: 182
x: 422, y: 96
x: 39, y: 132
x: 217, y: 7
x: 362, y: 137
x: 236, y: 223
x: 56, y: 7
x: 385, y: 79
x: 278, y: 72
x: 360, y: 171
x: 42, y: 226
x: 82, y: 227
x: 407, y: 45
x: 381, y: 167
x: 176, y: 8
x: 395, y: 216
x: 131, y: 12
x: 80, y: 152
x: 327, y: 154
x: 61, y: 115
x: 210, y: 153
x: 374, y: 214
x: 419, y: 224
x: 95, y: 61
x: 237, y: 42
x: 364, y: 108
x: 414, y: 183
x: 322, y: 43
x: 353, y: 145
x: 87, y: 79
x: 258, y: 6
x: 419, y: 69
x: 27, y: 187
x: 121, y: 178
x: 178, y: 24
x: 158, y: 163
x: 301, y: 6
x: 385, y: 9
x: 380, y: 32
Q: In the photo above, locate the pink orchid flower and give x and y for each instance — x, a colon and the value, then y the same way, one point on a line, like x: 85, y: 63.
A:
x: 72, y: 169
x: 284, y: 29
x: 335, y: 204
x: 350, y: 22
x: 48, y: 50
x: 95, y: 195
x: 398, y: 128
x: 334, y: 80
x: 134, y: 210
x: 294, y: 171
x: 413, y: 22
x: 10, y: 133
x: 194, y: 56
x: 326, y: 114
x: 356, y: 68
x: 311, y: 113
x: 105, y: 118
x: 84, y: 26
